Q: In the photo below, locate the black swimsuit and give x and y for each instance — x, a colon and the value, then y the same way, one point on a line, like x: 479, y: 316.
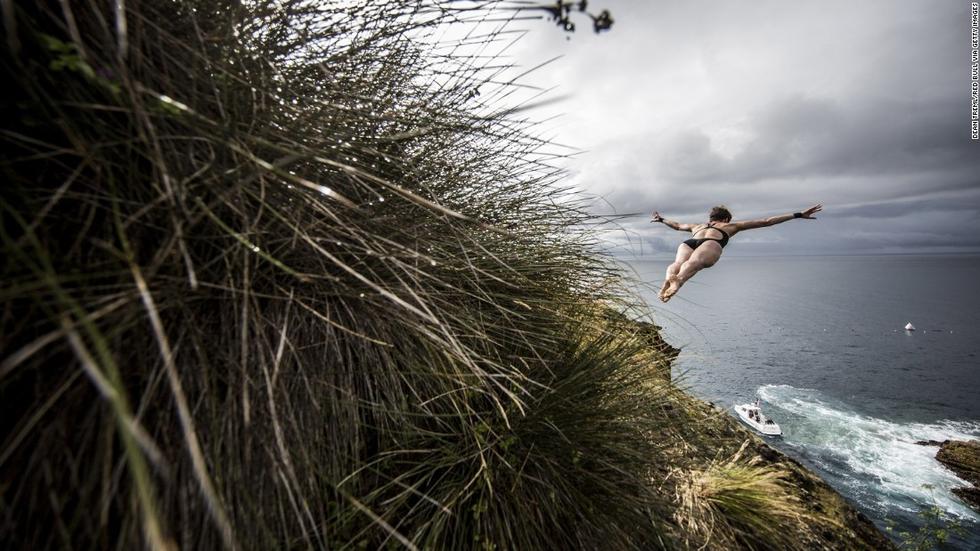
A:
x: 695, y: 243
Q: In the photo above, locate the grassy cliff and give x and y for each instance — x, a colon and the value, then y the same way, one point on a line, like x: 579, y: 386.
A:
x: 731, y: 490
x: 287, y: 275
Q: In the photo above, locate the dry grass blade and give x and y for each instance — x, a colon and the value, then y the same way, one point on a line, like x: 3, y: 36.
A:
x: 184, y: 413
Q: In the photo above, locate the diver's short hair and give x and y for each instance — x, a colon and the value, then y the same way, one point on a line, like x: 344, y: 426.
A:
x: 719, y: 214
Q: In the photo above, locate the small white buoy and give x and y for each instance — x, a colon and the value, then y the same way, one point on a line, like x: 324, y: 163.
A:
x: 909, y: 326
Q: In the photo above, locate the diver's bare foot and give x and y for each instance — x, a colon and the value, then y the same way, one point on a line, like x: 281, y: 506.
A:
x: 675, y: 285
x: 663, y: 288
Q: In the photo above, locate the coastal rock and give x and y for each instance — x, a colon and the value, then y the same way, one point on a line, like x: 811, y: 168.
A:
x: 963, y: 458
x: 930, y: 442
x: 971, y: 496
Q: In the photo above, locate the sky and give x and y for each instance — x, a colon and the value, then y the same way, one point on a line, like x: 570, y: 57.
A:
x: 768, y: 107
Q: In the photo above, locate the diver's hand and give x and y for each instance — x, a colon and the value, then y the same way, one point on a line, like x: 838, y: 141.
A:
x: 809, y: 213
x: 657, y: 217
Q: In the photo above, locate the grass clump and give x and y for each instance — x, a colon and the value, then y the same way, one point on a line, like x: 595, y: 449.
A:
x: 739, y: 503
x: 293, y: 275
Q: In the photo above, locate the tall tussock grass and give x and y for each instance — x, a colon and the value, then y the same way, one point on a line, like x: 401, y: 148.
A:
x: 296, y: 275
x: 737, y: 502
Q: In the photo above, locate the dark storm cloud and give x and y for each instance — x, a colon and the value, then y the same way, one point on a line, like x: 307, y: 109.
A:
x: 770, y: 106
x: 801, y: 147
x: 799, y: 137
x: 963, y: 208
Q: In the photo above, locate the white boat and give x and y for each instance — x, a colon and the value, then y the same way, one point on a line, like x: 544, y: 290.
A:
x: 909, y: 326
x: 751, y: 415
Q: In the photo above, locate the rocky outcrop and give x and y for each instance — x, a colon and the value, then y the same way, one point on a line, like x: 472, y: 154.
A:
x: 963, y: 458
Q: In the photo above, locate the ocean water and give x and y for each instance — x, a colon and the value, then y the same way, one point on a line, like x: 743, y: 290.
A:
x: 820, y: 340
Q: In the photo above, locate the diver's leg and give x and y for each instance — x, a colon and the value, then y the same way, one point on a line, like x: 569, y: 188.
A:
x: 683, y: 253
x: 704, y: 257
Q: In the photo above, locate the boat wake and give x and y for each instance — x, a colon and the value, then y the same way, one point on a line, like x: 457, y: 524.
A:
x: 876, y: 459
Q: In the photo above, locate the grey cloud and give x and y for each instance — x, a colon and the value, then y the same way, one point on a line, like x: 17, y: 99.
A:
x: 861, y: 106
x: 689, y: 157
x: 804, y: 140
x: 805, y: 137
x: 659, y: 245
x: 962, y: 208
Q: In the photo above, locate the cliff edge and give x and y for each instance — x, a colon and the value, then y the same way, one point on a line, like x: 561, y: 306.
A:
x: 712, y: 457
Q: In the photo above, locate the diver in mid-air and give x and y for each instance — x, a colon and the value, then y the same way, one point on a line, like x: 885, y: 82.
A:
x: 704, y: 249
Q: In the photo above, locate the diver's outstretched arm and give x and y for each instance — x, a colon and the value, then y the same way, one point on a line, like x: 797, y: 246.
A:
x: 773, y: 220
x: 670, y: 223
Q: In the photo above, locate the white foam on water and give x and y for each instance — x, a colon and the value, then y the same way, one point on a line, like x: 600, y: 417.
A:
x: 877, y: 448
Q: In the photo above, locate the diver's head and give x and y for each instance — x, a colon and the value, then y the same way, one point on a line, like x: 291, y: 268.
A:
x: 720, y: 214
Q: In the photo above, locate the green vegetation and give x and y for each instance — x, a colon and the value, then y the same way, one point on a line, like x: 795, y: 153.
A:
x: 743, y: 499
x: 292, y: 275
x: 935, y: 531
